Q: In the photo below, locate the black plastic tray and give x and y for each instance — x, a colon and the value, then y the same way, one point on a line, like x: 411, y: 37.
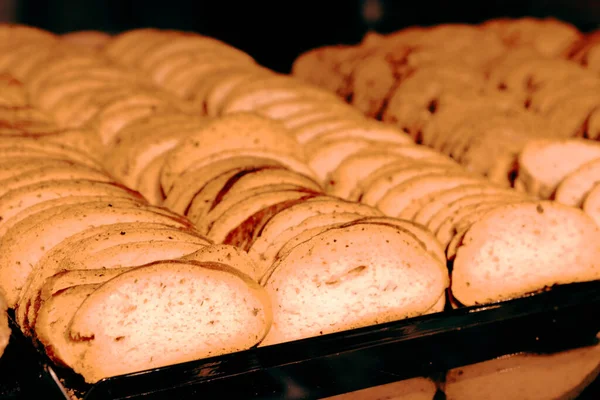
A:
x: 561, y: 318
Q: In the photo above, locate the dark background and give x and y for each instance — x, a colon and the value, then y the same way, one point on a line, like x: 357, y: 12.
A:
x: 275, y: 32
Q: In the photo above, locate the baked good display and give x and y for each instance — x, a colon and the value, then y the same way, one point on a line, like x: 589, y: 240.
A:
x: 165, y: 198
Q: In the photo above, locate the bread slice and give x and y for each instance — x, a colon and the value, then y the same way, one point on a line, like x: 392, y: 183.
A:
x: 380, y: 183
x: 429, y: 241
x: 369, y: 130
x: 297, y: 213
x: 316, y: 122
x: 50, y: 150
x: 53, y: 322
x: 591, y: 204
x: 326, y: 157
x: 452, y: 207
x: 189, y: 184
x: 182, y: 311
x: 441, y: 199
x: 76, y: 277
x: 543, y: 164
x: 52, y: 174
x: 373, y: 271
x: 72, y: 253
x: 11, y: 166
x: 220, y: 203
x: 298, y: 233
x: 574, y: 188
x: 241, y: 131
x: 5, y: 226
x: 465, y: 217
x: 225, y: 84
x: 237, y: 224
x: 403, y: 196
x: 17, y: 200
x: 148, y: 182
x: 226, y: 254
x: 26, y: 242
x: 530, y: 244
x: 135, y: 149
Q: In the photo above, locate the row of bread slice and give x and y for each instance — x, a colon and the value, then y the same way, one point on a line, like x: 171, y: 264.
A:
x: 72, y: 235
x: 408, y: 79
x: 346, y: 69
x: 408, y: 178
x: 242, y: 181
x: 431, y: 273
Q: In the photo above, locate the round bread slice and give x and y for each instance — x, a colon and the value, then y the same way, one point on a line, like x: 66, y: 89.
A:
x: 296, y: 234
x: 325, y: 158
x: 192, y: 181
x: 73, y: 172
x: 575, y: 186
x: 468, y: 199
x: 375, y: 274
x: 381, y: 183
x: 53, y: 323
x: 370, y: 130
x: 465, y: 216
x: 13, y: 166
x: 543, y: 164
x: 226, y: 254
x: 226, y: 83
x: 42, y: 148
x: 183, y: 311
x: 221, y: 201
x: 441, y: 199
x: 591, y: 204
x: 240, y: 131
x: 399, y: 198
x: 27, y: 241
x: 294, y: 215
x: 219, y: 189
x: 236, y: 224
x: 429, y: 241
x: 148, y: 182
x: 93, y: 241
x: 20, y: 199
x: 314, y: 123
x: 287, y: 161
x: 66, y: 279
x: 522, y: 248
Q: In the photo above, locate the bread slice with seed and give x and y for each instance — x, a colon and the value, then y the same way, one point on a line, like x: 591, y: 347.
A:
x: 182, y: 311
x: 375, y: 273
x: 526, y: 247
